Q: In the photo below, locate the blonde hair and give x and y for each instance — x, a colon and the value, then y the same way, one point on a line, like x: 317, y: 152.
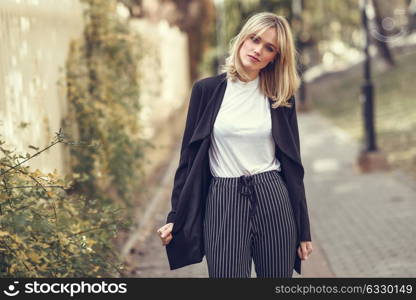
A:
x: 278, y: 80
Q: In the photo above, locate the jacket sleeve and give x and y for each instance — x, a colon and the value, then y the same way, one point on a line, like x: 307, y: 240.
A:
x: 305, y: 233
x: 180, y: 175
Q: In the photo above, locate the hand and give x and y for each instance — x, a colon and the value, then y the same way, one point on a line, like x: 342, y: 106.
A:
x: 305, y: 249
x: 165, y: 233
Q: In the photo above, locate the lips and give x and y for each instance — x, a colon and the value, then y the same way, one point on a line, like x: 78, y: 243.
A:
x: 254, y: 58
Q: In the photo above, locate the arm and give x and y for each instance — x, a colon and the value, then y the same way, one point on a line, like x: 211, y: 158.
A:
x: 180, y: 175
x: 303, y: 208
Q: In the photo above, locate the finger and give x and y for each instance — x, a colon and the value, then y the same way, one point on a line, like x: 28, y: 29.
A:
x: 304, y: 251
x: 164, y: 233
x: 309, y: 247
x: 167, y: 236
x: 167, y: 227
x: 301, y: 255
x: 167, y: 240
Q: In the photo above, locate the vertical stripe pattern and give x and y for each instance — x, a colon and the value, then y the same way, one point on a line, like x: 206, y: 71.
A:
x: 234, y: 234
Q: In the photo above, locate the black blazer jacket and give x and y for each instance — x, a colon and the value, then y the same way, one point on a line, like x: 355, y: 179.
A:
x: 193, y: 175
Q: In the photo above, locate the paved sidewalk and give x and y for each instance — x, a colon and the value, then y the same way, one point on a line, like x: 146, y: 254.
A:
x: 363, y: 225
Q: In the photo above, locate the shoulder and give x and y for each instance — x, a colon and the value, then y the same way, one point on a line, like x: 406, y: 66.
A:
x: 210, y: 82
x: 292, y: 102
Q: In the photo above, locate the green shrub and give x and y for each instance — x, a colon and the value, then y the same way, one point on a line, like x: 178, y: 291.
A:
x: 103, y: 94
x: 46, y: 230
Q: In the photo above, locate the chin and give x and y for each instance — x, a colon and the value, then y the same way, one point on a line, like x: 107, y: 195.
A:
x: 248, y: 66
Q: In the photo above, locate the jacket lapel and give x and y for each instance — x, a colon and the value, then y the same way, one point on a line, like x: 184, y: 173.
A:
x: 283, y: 133
x: 206, y: 122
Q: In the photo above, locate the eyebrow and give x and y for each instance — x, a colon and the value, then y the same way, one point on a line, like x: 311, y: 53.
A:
x: 257, y: 36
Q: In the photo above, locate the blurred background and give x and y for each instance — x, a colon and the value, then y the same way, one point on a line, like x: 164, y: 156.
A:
x: 93, y: 101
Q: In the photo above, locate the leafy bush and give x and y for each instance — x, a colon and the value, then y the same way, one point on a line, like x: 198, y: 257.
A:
x: 46, y: 230
x: 103, y: 94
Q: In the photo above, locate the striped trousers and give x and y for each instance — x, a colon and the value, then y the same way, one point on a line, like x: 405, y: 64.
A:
x: 249, y: 218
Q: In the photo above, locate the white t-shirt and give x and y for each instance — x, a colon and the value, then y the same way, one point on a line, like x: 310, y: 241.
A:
x: 241, y: 140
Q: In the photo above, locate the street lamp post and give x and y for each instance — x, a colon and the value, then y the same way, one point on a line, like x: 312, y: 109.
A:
x: 367, y: 88
x: 370, y: 158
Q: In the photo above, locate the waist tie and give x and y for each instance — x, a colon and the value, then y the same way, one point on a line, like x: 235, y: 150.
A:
x: 247, y: 181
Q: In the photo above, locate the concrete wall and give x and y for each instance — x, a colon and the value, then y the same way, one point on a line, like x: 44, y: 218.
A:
x: 34, y: 44
x: 34, y: 40
x: 164, y: 72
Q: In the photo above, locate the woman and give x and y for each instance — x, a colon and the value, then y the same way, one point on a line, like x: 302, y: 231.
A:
x: 238, y: 192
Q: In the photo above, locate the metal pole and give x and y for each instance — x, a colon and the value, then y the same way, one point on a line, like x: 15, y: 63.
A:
x: 367, y: 87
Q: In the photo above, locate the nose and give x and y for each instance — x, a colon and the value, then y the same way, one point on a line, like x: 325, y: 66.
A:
x: 257, y: 50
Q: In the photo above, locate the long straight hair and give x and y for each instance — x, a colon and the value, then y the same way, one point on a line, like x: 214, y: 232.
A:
x: 278, y: 80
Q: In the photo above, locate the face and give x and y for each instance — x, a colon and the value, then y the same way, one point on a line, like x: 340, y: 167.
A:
x: 256, y: 53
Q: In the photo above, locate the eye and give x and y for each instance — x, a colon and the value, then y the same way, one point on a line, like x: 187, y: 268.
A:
x: 270, y: 49
x: 254, y: 39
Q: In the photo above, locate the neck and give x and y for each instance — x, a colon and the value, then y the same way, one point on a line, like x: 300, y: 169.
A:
x: 251, y: 76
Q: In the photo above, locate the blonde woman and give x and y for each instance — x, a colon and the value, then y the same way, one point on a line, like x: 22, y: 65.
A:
x: 238, y: 191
